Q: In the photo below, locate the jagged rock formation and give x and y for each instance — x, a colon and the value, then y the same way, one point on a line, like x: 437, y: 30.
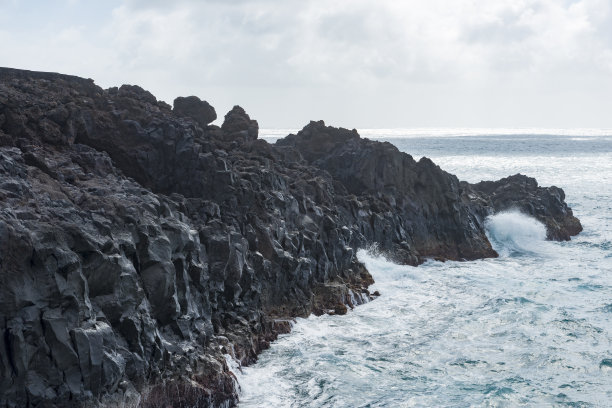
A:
x: 414, y: 209
x: 547, y: 204
x: 239, y: 127
x: 139, y: 243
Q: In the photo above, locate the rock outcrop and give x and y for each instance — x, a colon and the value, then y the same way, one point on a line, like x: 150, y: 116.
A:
x: 547, y: 204
x: 196, y: 109
x: 415, y: 210
x: 239, y: 127
x: 139, y: 244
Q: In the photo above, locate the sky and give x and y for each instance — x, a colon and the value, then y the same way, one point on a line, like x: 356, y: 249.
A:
x: 352, y: 63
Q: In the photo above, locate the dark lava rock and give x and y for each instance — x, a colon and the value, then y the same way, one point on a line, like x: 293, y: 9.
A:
x: 547, y: 204
x: 414, y: 210
x: 137, y: 247
x: 238, y: 126
x: 196, y: 109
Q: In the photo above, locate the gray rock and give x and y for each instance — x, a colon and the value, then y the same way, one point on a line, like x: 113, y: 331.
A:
x: 238, y: 126
x: 196, y: 109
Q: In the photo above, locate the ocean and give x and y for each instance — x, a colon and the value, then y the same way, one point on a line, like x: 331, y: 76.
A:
x: 530, y: 328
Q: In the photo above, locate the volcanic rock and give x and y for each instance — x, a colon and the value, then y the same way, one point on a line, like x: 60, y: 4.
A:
x: 238, y: 126
x: 546, y: 204
x: 196, y: 109
x: 139, y: 244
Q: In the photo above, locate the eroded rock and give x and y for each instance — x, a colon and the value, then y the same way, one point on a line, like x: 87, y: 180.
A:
x: 196, y: 109
x: 139, y: 244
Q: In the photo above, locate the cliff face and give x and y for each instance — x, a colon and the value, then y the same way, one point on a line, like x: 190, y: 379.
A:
x: 416, y: 210
x: 139, y: 243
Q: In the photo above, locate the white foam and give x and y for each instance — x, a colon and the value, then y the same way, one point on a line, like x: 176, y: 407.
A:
x: 512, y: 232
x: 534, y: 321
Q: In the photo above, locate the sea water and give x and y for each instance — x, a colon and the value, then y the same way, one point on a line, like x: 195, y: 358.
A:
x: 530, y: 328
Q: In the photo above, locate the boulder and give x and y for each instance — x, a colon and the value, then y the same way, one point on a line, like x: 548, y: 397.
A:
x: 196, y: 109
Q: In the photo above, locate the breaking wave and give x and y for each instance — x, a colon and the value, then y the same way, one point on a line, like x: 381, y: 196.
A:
x: 513, y: 233
x: 530, y: 328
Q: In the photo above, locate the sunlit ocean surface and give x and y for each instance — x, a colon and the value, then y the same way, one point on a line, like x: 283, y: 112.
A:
x: 531, y: 328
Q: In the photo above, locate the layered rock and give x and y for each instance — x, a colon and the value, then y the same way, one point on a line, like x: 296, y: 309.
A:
x: 139, y: 243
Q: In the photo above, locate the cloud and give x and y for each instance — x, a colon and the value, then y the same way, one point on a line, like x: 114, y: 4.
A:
x: 362, y: 60
x: 346, y: 42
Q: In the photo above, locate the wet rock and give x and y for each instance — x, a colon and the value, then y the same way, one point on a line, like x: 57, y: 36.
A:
x: 547, y: 204
x: 340, y: 309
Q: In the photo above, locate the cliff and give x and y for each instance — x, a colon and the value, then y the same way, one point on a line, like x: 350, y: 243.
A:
x: 139, y: 243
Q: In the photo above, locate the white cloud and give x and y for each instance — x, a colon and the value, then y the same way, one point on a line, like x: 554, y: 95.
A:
x: 354, y: 62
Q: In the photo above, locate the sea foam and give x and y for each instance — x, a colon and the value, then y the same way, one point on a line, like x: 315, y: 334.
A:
x: 530, y: 328
x: 513, y: 232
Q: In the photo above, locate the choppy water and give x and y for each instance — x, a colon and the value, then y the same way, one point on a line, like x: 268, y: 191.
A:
x: 531, y: 328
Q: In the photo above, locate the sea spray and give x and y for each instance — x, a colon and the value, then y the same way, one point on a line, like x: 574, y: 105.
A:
x: 514, y: 233
x: 530, y: 328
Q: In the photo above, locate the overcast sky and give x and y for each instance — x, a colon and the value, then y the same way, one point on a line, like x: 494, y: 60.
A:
x: 353, y: 63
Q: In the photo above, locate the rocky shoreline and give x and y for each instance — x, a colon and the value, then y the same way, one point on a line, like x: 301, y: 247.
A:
x: 139, y: 244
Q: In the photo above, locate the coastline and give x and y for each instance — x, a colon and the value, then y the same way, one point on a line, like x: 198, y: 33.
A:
x: 139, y: 242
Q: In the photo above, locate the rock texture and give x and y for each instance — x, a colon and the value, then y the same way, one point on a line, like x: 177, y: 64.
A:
x: 547, y: 204
x: 239, y: 127
x: 414, y: 210
x: 196, y: 109
x: 139, y: 244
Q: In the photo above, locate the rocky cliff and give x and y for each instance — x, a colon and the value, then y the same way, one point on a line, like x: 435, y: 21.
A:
x: 139, y: 244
